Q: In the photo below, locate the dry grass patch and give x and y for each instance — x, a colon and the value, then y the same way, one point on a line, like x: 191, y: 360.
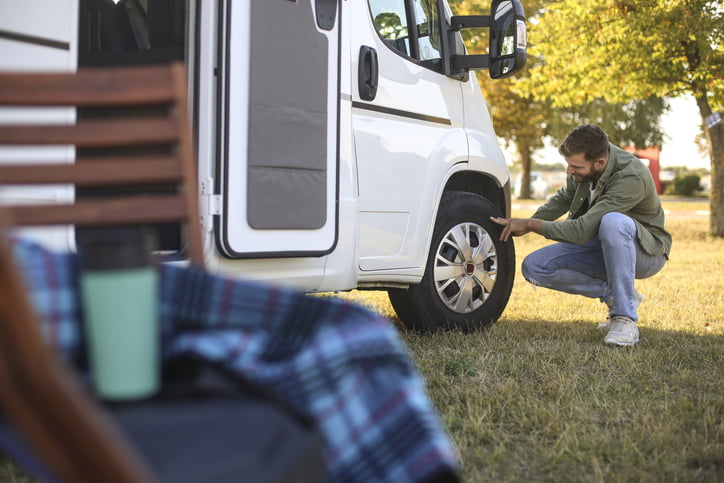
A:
x: 538, y: 397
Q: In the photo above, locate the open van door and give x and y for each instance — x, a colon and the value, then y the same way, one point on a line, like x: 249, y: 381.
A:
x: 39, y: 35
x: 278, y: 105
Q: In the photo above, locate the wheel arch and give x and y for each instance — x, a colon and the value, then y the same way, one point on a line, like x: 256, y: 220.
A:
x: 427, y: 305
x: 481, y: 184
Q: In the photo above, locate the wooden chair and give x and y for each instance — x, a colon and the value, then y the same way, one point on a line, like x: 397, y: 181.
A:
x: 163, y: 139
x: 41, y: 396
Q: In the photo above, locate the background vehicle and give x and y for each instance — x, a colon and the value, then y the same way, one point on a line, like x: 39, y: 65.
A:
x: 538, y: 186
x: 333, y: 154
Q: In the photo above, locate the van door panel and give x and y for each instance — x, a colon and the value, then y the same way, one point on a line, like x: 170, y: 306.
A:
x: 287, y: 159
x: 406, y: 138
x: 39, y: 35
x: 280, y: 159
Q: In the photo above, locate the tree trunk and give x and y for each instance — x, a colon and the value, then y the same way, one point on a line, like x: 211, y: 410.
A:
x: 524, y: 151
x: 715, y: 141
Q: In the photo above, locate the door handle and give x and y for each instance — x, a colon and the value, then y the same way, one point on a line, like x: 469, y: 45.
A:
x: 368, y: 73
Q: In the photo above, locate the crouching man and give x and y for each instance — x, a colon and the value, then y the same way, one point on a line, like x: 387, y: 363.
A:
x: 614, y: 232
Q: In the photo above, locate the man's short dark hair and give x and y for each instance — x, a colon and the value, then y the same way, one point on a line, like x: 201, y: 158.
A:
x: 588, y: 139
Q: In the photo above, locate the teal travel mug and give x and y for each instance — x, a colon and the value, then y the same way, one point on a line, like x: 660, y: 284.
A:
x: 119, y: 289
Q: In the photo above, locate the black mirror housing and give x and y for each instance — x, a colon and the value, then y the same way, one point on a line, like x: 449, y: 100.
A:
x: 508, y: 41
x: 508, y: 38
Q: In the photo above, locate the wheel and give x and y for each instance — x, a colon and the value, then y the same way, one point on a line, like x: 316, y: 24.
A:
x: 469, y: 273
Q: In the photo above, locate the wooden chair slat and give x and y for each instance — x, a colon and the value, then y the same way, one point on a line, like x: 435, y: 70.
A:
x: 104, y: 212
x: 93, y: 172
x: 116, y: 86
x: 94, y: 133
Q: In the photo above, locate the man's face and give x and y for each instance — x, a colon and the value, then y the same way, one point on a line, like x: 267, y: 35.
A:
x: 583, y: 170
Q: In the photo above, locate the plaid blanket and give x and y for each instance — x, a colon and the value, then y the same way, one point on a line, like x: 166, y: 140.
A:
x: 341, y: 365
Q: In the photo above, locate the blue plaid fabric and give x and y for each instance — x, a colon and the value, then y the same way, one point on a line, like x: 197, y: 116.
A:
x: 338, y: 363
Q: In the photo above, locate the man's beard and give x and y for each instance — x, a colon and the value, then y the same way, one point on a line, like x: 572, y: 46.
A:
x: 592, y: 176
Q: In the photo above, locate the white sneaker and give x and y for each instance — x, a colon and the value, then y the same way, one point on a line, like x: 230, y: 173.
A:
x: 623, y: 332
x: 604, y: 326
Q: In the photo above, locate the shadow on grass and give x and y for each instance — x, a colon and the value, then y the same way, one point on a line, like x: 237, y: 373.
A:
x: 557, y: 331
x: 541, y: 400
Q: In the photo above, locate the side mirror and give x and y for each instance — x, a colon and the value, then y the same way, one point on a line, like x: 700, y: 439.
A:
x: 508, y: 39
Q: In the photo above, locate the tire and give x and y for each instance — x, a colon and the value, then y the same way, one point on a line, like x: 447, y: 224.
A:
x: 465, y: 252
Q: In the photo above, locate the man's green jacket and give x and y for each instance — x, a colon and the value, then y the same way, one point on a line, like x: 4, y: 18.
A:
x: 626, y: 186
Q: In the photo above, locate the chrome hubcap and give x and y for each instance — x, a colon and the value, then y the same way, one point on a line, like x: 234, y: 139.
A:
x: 466, y: 266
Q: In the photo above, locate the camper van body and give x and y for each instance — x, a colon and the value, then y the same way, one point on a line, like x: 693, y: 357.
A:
x: 337, y: 148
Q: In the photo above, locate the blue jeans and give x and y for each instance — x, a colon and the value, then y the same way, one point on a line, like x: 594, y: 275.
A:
x: 604, y: 267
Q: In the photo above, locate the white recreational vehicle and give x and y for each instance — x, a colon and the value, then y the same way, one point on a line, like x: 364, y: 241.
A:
x: 342, y: 144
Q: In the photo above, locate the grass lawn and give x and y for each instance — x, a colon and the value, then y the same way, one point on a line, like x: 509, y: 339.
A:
x: 539, y: 397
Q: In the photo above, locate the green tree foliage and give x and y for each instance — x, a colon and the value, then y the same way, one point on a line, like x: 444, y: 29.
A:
x: 687, y: 185
x: 618, y: 50
x: 635, y: 123
x: 519, y: 119
x: 526, y: 120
